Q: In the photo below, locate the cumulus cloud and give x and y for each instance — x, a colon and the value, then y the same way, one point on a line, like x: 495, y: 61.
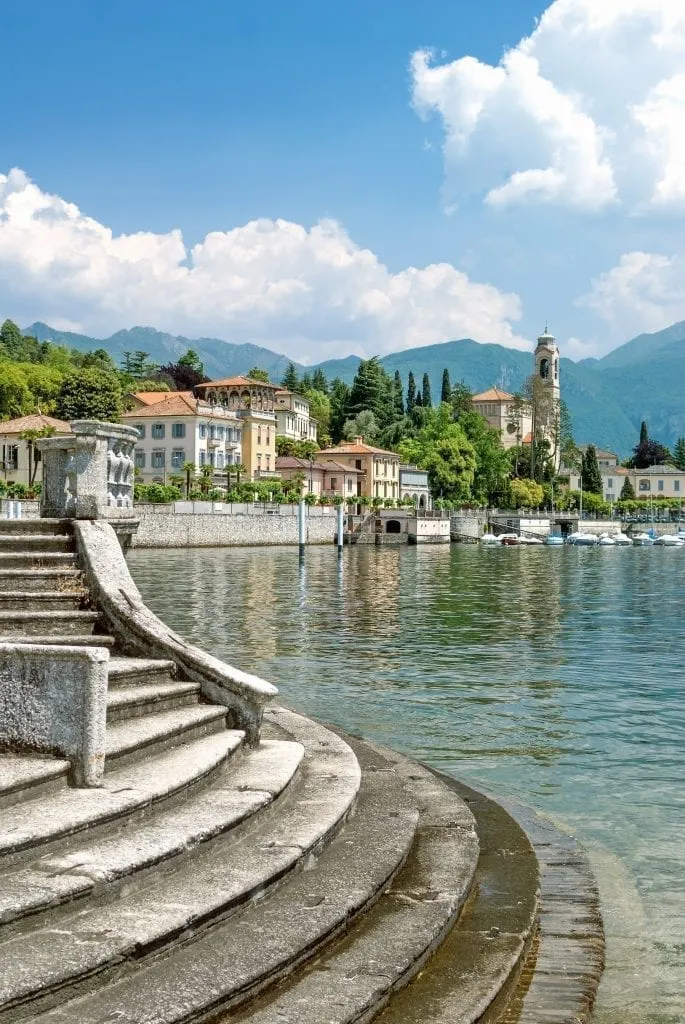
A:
x: 643, y: 292
x: 588, y: 111
x: 311, y: 292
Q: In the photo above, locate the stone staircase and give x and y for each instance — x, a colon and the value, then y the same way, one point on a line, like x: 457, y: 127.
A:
x: 309, y: 879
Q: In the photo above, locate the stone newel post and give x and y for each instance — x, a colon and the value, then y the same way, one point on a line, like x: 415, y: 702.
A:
x: 88, y: 474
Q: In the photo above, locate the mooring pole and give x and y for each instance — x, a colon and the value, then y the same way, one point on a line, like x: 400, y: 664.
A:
x: 341, y: 516
x: 301, y: 526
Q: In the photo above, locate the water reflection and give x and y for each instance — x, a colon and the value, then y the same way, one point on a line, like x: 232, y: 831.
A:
x: 553, y: 675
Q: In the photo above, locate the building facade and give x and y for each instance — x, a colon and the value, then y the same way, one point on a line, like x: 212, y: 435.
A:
x: 292, y: 417
x: 414, y: 485
x: 509, y: 414
x: 654, y: 482
x: 254, y: 403
x: 320, y: 476
x: 175, y: 427
x: 380, y: 469
x: 19, y: 459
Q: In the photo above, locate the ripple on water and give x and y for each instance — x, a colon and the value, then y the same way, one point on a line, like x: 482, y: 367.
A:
x: 552, y: 675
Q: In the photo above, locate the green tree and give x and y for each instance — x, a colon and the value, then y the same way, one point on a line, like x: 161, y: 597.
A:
x: 31, y: 436
x: 90, y: 395
x: 290, y: 381
x: 16, y: 398
x: 319, y: 382
x: 426, y: 400
x: 339, y: 398
x: 11, y: 340
x: 442, y: 448
x: 492, y: 460
x: 398, y: 394
x: 679, y: 453
x: 372, y: 389
x: 526, y: 494
x: 590, y: 473
x: 446, y: 389
x: 257, y: 373
x: 411, y: 392
x: 627, y: 491
x: 462, y: 399
x: 320, y: 410
x: 192, y: 361
x: 364, y: 424
x: 189, y: 469
x: 644, y: 433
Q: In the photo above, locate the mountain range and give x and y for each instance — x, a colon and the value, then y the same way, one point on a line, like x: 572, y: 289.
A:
x: 644, y: 379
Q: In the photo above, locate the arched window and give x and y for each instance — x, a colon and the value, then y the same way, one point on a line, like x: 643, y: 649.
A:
x: 544, y: 369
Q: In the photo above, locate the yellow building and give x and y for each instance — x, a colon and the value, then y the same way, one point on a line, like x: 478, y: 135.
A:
x: 254, y: 403
x: 380, y: 469
x: 513, y: 419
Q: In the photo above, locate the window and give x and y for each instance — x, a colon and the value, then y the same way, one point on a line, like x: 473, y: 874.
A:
x: 268, y: 436
x: 349, y: 483
x: 219, y: 460
x: 203, y: 458
x: 178, y: 430
x: 334, y: 483
x: 158, y: 459
x: 660, y: 485
x: 268, y: 462
x: 610, y: 485
x: 212, y: 433
x: 357, y: 463
x: 203, y: 430
x: 140, y: 427
x: 157, y: 431
x: 140, y: 460
x: 644, y: 485
x: 178, y: 457
x: 220, y: 432
x: 676, y: 485
x: 10, y: 456
x: 259, y: 435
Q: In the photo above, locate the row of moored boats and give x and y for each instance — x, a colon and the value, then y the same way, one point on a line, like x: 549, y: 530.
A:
x: 581, y: 539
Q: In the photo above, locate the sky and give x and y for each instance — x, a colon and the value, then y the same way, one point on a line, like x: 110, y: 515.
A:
x: 327, y: 179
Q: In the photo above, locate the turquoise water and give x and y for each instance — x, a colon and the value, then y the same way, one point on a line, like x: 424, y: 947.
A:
x: 556, y: 676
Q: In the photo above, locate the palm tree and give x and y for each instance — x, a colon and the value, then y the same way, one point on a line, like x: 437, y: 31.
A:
x: 176, y: 480
x: 189, y: 468
x: 206, y: 476
x: 238, y: 468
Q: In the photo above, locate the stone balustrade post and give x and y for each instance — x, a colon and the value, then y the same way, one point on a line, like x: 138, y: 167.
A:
x: 89, y: 474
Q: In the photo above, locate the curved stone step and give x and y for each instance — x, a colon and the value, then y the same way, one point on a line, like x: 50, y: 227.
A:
x: 268, y: 938
x: 42, y: 600
x: 37, y: 559
x: 135, y: 671
x: 39, y: 579
x: 135, y: 738
x: 150, y: 698
x: 96, y: 865
x: 23, y: 777
x: 385, y: 948
x: 233, y: 872
x: 45, y: 623
x: 34, y: 826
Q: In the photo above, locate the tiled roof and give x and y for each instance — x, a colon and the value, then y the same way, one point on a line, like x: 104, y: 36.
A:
x: 353, y: 448
x: 327, y: 465
x: 168, y: 403
x: 332, y: 466
x: 659, y: 471
x: 493, y: 395
x: 36, y: 421
x: 238, y: 382
x: 151, y: 397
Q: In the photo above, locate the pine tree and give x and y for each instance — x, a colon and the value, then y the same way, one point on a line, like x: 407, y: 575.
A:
x: 418, y: 401
x: 590, y: 473
x: 411, y: 392
x: 340, y: 396
x: 446, y: 390
x: 644, y: 434
x: 426, y: 400
x: 679, y: 453
x: 291, y: 381
x: 306, y: 383
x: 319, y: 382
x: 627, y: 491
x: 398, y: 395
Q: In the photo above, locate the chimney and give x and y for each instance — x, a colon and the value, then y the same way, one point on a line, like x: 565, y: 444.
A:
x: 359, y: 440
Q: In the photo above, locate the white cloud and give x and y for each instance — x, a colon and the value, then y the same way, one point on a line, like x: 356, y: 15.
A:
x: 644, y: 292
x: 587, y: 111
x: 310, y: 292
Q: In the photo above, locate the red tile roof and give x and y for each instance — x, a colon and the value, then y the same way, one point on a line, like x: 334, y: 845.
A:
x: 239, y: 382
x: 354, y: 448
x: 36, y: 421
x: 163, y: 403
x: 493, y: 395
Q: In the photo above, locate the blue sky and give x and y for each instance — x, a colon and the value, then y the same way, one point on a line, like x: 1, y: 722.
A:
x: 305, y: 176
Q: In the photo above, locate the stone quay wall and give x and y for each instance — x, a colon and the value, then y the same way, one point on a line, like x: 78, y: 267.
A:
x: 162, y: 527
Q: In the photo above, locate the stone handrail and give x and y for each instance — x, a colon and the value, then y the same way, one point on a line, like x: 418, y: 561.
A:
x: 140, y: 631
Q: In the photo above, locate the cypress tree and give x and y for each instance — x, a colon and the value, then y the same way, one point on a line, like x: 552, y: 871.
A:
x: 418, y: 401
x: 426, y: 401
x: 590, y: 474
x: 398, y: 395
x: 627, y: 491
x: 644, y: 434
x: 679, y: 453
x: 446, y: 390
x: 411, y: 392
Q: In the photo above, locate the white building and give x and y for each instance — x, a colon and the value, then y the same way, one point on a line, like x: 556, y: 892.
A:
x: 292, y: 417
x: 654, y: 482
x: 175, y: 428
x: 414, y: 485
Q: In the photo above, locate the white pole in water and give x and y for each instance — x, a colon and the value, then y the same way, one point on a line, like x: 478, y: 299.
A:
x: 301, y: 525
x: 341, y: 515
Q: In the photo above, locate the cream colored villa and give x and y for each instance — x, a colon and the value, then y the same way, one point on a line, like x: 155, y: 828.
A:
x: 380, y: 469
x: 15, y: 451
x: 254, y: 403
x: 513, y: 418
x: 292, y: 417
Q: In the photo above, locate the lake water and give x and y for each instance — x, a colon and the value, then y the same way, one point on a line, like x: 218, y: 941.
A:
x: 556, y: 676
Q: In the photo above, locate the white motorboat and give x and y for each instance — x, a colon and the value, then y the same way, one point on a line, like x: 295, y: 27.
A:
x: 554, y: 540
x: 606, y: 541
x: 643, y: 540
x: 620, y: 540
x: 490, y: 538
x: 580, y: 539
x: 530, y: 540
x: 670, y: 540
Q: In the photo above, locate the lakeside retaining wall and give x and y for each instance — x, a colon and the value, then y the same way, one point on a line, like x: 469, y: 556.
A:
x: 161, y: 527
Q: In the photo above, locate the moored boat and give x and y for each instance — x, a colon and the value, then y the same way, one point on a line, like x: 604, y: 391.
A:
x: 643, y: 540
x: 554, y: 540
x: 670, y: 540
x: 489, y: 538
x: 606, y: 541
x: 621, y: 540
x: 580, y: 539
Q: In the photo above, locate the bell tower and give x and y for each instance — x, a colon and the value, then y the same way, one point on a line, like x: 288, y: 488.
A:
x: 547, y: 390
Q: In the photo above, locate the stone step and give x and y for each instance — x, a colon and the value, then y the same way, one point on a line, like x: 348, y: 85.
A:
x: 42, y: 600
x: 99, y: 868
x: 45, y: 623
x: 134, y: 701
x: 29, y: 776
x: 30, y: 542
x: 356, y: 975
x: 34, y: 526
x: 39, y: 579
x: 268, y: 938
x: 217, y: 882
x: 36, y: 559
x: 136, y: 738
x: 61, y: 639
x: 36, y: 827
x: 124, y: 672
x: 475, y: 970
